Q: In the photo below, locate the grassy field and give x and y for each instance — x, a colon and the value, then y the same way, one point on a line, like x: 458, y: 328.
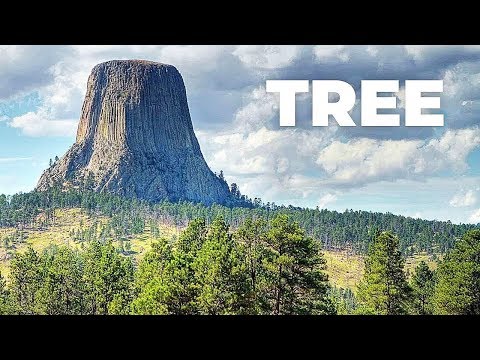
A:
x: 343, y: 268
x: 59, y: 234
x: 346, y: 270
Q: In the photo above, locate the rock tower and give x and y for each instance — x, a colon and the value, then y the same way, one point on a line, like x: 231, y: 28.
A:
x: 135, y: 138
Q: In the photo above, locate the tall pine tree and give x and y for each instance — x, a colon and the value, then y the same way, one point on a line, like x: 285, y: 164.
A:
x: 458, y: 278
x: 384, y: 289
x: 296, y: 283
x: 422, y: 284
x: 220, y: 273
x: 251, y: 239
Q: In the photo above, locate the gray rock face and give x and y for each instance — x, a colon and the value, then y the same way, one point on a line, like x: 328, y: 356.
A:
x: 135, y: 138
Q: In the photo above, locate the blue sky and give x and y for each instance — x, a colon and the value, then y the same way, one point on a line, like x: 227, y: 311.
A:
x: 433, y: 173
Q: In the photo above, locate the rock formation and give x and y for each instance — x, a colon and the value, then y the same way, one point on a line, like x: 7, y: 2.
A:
x: 135, y: 138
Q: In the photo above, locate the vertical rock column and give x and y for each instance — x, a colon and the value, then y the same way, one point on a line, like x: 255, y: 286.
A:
x: 135, y: 138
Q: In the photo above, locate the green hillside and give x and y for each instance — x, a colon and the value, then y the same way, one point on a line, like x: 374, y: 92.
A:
x: 114, y: 255
x: 345, y: 268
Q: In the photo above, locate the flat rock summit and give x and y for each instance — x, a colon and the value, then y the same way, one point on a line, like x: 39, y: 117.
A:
x: 135, y: 138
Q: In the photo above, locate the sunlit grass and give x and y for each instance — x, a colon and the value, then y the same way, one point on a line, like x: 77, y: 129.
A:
x: 344, y: 269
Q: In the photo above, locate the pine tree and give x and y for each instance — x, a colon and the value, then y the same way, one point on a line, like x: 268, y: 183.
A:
x: 26, y: 279
x: 5, y: 305
x: 192, y: 238
x: 62, y: 290
x: 422, y: 285
x: 384, y: 289
x: 251, y: 238
x: 107, y: 276
x: 294, y: 266
x: 458, y: 278
x: 219, y: 273
x: 152, y: 287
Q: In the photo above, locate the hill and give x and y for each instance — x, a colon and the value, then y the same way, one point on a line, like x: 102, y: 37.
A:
x: 74, y: 217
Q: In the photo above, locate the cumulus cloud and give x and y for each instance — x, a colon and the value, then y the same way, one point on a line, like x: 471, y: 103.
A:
x: 237, y: 121
x: 26, y: 68
x: 325, y: 53
x: 464, y: 199
x: 267, y: 56
x: 228, y: 73
x: 326, y: 199
x: 38, y: 124
x: 259, y: 109
x: 475, y: 217
x: 359, y: 161
x: 417, y: 215
x: 260, y: 151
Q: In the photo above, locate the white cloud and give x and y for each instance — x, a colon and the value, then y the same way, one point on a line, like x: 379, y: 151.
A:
x: 417, y: 215
x: 225, y: 87
x: 260, y: 107
x: 267, y: 56
x: 38, y: 124
x: 263, y: 161
x: 401, y: 97
x: 26, y: 68
x: 4, y: 118
x: 464, y: 199
x: 326, y: 199
x: 421, y: 53
x: 325, y: 53
x: 359, y: 161
x: 475, y: 217
x: 194, y: 59
x: 373, y: 50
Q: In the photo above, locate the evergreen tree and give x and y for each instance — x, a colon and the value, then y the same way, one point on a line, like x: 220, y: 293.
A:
x: 127, y: 246
x: 345, y: 300
x: 5, y: 304
x: 107, y: 276
x: 384, y: 289
x: 165, y: 281
x: 26, y: 280
x: 294, y: 266
x: 235, y: 191
x: 220, y: 273
x: 181, y: 268
x: 251, y: 238
x: 458, y: 278
x: 422, y: 285
x: 152, y: 293
x: 193, y: 237
x: 62, y: 289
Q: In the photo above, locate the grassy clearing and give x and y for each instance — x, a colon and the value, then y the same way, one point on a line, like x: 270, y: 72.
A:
x: 346, y: 270
x: 67, y: 220
x: 143, y: 242
x: 58, y: 234
x: 343, y: 268
x: 412, y: 262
